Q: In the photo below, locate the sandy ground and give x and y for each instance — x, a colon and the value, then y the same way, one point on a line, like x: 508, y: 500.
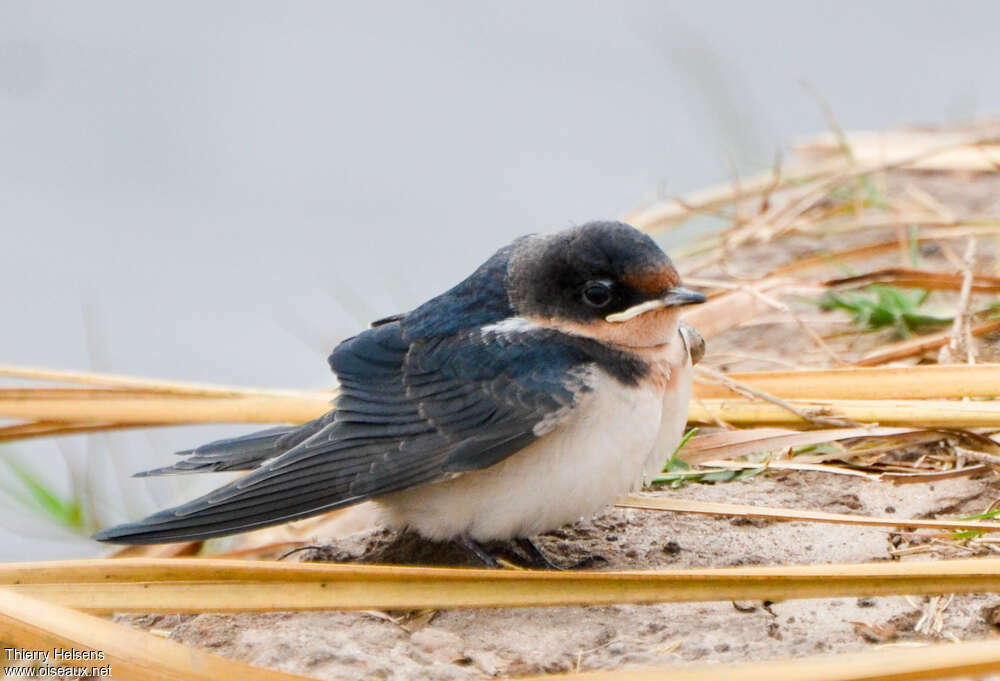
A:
x: 475, y: 644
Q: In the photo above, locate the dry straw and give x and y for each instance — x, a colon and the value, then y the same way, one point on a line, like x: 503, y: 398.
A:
x: 891, y: 396
x: 221, y: 585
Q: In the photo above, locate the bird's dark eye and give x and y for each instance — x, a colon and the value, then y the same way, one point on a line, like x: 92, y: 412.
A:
x: 597, y: 293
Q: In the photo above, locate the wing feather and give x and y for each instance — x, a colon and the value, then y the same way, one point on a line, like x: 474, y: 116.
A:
x: 412, y: 411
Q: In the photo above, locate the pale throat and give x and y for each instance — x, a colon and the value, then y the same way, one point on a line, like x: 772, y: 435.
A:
x: 651, y: 329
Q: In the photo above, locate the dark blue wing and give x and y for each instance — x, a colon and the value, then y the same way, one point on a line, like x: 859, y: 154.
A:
x: 412, y: 410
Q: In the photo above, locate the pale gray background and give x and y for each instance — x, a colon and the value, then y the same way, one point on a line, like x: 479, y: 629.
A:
x: 220, y: 191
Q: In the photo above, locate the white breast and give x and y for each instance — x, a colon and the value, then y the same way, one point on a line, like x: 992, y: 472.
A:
x: 573, y: 472
x: 676, y: 401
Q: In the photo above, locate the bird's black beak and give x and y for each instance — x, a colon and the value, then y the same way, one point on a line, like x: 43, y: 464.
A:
x: 678, y: 295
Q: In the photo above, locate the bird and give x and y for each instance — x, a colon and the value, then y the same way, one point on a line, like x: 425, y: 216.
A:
x: 532, y: 394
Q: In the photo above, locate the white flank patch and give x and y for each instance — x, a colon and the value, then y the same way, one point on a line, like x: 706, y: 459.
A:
x: 511, y: 325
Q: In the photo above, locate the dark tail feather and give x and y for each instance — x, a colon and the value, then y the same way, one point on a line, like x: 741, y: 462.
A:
x: 241, y: 453
x: 204, y: 518
x: 322, y: 481
x: 157, y: 530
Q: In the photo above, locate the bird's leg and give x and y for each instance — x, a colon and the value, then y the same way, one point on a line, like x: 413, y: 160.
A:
x: 538, y: 559
x: 474, y: 548
x: 534, y: 554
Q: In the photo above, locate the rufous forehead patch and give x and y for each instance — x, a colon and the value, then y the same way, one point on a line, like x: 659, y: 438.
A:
x: 653, y: 281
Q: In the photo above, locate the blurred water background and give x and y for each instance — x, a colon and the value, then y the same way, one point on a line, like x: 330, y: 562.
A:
x: 220, y: 191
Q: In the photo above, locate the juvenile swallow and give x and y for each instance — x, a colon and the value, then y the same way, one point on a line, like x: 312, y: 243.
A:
x: 530, y: 395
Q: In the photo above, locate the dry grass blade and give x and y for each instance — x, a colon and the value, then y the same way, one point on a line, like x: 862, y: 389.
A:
x: 703, y: 373
x: 923, y: 279
x: 122, y: 409
x: 34, y: 624
x: 796, y: 514
x: 828, y: 259
x: 961, y: 331
x: 733, y: 443
x: 173, y: 550
x: 908, y: 478
x: 148, y: 385
x: 910, y: 663
x: 932, y: 150
x: 933, y: 229
x: 906, y: 413
x: 922, y: 382
x: 915, y: 347
x: 784, y: 465
x: 201, y: 585
x: 113, y: 402
x: 24, y: 431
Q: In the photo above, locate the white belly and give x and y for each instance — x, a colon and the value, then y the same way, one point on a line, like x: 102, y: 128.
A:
x: 576, y: 470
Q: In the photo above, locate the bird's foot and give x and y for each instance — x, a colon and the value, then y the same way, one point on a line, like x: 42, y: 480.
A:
x: 526, y: 549
x: 540, y: 561
x: 475, y: 549
x: 536, y: 558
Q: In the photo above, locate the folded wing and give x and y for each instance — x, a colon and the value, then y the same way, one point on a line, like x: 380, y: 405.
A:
x: 410, y: 412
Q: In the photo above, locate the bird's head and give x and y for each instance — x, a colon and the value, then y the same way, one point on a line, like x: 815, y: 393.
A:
x: 606, y: 280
